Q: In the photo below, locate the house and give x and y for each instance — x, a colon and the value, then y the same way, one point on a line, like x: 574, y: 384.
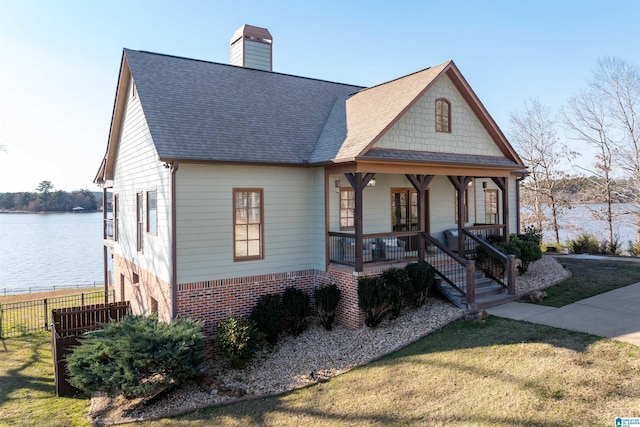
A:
x: 233, y: 181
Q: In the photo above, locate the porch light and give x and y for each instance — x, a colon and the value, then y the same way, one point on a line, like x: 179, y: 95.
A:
x: 337, y: 184
x: 371, y: 183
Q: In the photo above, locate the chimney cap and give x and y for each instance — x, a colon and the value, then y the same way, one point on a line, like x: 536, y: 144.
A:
x: 251, y: 31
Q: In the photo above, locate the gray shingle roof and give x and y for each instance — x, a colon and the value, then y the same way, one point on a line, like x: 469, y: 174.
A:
x: 441, y: 158
x: 198, y: 110
x: 205, y: 111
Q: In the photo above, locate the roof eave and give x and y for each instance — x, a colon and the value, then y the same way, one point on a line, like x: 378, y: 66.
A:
x: 105, y: 172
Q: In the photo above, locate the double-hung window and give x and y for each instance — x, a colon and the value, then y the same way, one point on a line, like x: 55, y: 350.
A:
x: 347, y: 208
x: 248, y: 224
x: 152, y: 212
x: 491, y: 206
x: 139, y: 221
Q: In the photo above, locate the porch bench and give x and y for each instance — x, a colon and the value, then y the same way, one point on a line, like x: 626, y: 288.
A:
x: 349, y: 251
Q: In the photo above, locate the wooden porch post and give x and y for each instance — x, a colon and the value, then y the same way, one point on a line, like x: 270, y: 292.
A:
x: 420, y: 183
x: 359, y: 183
x: 460, y: 183
x: 502, y: 184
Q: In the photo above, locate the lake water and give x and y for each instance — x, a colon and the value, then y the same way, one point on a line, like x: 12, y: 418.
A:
x: 40, y: 251
x: 583, y: 218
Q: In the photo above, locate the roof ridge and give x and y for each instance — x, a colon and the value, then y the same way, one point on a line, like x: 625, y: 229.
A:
x: 242, y: 68
x: 405, y: 76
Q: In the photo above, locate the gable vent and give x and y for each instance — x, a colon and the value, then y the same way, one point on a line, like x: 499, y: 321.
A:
x: 251, y: 47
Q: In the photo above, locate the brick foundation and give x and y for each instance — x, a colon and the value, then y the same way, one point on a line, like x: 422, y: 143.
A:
x: 149, y: 294
x: 214, y: 300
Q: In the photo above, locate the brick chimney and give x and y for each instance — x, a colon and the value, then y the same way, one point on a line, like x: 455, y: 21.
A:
x: 251, y: 48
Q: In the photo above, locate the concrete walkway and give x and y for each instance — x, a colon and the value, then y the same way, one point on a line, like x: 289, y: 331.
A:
x: 614, y: 314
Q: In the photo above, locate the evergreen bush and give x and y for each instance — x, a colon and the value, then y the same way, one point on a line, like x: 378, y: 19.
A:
x: 295, y: 306
x: 420, y: 279
x: 267, y: 315
x: 584, y: 244
x: 326, y: 299
x: 239, y: 339
x: 375, y: 298
x: 136, y: 356
x: 397, y: 282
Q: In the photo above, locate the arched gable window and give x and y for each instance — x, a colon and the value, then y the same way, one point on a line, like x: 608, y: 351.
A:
x: 443, y: 115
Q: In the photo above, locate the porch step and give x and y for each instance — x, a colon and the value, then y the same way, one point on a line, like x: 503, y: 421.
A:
x: 488, y: 292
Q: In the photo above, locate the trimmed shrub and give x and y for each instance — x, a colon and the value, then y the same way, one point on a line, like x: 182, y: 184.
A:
x: 525, y: 247
x: 420, y: 279
x: 396, y: 280
x: 137, y: 356
x: 375, y: 298
x: 239, y: 339
x: 326, y: 299
x: 267, y: 315
x: 295, y: 306
x: 584, y: 243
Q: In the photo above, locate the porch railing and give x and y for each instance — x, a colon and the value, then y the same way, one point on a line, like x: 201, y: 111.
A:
x: 377, y: 248
x: 496, y: 265
x: 452, y: 268
x: 484, y: 233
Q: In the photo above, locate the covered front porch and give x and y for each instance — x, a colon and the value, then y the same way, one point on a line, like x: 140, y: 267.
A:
x: 382, y: 220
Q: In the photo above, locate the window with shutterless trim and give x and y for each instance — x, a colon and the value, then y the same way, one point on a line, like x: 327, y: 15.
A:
x: 443, y: 115
x: 152, y: 212
x: 347, y: 208
x: 248, y: 224
x: 139, y: 221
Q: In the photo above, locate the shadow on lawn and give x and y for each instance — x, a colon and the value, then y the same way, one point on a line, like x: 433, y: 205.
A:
x: 459, y: 335
x: 23, y: 360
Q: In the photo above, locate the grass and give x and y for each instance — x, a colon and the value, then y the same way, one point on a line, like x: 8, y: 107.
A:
x: 496, y: 372
x: 24, y: 313
x: 27, y: 388
x: 591, y: 278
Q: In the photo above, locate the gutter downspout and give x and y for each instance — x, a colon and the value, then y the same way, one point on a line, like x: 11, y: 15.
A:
x: 172, y: 232
x: 105, y: 250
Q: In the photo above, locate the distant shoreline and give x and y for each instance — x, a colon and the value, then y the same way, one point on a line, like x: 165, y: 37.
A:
x: 45, y: 212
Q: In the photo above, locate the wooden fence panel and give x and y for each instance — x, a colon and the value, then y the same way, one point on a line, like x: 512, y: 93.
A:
x: 67, y: 327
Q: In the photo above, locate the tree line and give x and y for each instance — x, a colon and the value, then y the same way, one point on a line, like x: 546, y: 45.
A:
x: 45, y: 199
x: 603, y: 116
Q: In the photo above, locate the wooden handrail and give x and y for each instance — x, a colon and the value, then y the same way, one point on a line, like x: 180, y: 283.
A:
x: 508, y: 260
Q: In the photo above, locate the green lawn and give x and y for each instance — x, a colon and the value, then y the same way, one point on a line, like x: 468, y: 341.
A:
x: 494, y: 373
x: 591, y: 278
x: 27, y: 388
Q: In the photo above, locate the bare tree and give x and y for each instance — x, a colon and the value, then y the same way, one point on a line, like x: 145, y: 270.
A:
x: 618, y: 83
x: 587, y: 119
x: 533, y: 132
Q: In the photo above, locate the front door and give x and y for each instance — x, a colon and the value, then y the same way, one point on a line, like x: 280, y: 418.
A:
x: 404, y: 212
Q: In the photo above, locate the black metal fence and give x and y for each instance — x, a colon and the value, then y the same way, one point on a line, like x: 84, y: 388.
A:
x: 18, y: 318
x: 32, y: 289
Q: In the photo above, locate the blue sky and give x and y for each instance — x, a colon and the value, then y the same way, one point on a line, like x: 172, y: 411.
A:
x: 59, y: 60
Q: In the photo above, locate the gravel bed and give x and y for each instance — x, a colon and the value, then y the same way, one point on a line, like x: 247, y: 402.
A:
x: 314, y: 356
